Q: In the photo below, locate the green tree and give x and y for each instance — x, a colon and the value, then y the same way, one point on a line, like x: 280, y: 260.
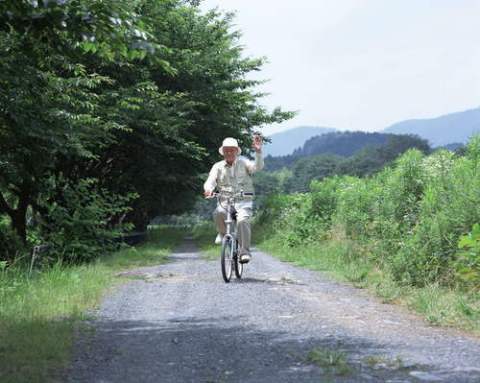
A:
x: 135, y: 96
x: 178, y: 117
x: 311, y: 168
x: 49, y: 100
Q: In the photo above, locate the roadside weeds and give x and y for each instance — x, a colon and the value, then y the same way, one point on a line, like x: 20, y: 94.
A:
x: 39, y: 314
x: 439, y: 306
x: 204, y: 236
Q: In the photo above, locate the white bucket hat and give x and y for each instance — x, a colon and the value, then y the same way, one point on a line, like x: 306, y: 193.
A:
x: 230, y: 142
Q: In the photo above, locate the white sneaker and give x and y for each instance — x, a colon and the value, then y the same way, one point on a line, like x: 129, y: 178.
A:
x: 218, y: 239
x: 245, y: 258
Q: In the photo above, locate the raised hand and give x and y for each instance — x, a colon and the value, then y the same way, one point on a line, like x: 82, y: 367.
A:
x: 257, y: 143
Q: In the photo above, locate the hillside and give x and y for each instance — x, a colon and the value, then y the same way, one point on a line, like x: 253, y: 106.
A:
x: 286, y: 142
x: 341, y: 143
x: 344, y: 144
x: 443, y: 130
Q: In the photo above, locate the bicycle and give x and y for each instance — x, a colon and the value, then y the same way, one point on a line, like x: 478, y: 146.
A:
x: 230, y: 258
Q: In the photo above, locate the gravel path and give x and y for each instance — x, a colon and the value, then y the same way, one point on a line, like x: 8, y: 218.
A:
x: 180, y: 322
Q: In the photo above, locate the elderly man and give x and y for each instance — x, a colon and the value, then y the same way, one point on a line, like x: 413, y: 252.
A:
x: 234, y: 174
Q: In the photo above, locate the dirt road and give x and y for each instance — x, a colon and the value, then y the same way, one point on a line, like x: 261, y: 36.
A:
x: 180, y: 322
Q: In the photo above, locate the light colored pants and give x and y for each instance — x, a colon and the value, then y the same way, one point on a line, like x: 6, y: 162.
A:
x: 244, y: 214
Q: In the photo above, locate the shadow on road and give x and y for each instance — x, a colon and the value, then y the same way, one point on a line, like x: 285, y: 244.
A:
x: 270, y: 281
x: 220, y: 350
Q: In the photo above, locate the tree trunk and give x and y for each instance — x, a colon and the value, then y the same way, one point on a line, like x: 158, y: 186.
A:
x: 19, y: 223
x: 139, y: 218
x: 4, y: 207
x: 18, y: 216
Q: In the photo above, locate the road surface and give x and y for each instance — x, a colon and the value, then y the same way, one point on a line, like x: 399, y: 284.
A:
x: 179, y: 322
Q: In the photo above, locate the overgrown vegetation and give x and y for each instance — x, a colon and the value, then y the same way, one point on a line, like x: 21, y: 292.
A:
x: 204, y: 236
x: 38, y: 313
x: 348, y: 144
x: 109, y: 113
x: 332, y: 361
x: 409, y: 232
x: 340, y: 153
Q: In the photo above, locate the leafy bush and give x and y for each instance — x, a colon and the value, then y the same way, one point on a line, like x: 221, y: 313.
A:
x: 468, y: 262
x: 324, y: 197
x: 79, y: 227
x: 410, y: 217
x: 354, y: 208
x: 448, y: 210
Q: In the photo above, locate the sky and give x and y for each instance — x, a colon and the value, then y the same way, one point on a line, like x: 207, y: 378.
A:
x: 362, y: 64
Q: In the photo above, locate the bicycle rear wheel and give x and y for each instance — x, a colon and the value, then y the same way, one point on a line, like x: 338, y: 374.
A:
x: 238, y: 265
x: 227, y: 259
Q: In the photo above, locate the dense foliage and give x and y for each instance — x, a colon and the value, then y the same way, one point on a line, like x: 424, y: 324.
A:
x: 417, y: 219
x: 347, y: 144
x: 300, y: 168
x: 109, y: 112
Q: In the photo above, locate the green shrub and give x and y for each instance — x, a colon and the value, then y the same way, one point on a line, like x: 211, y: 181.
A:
x: 448, y: 210
x: 468, y: 261
x: 410, y: 216
x: 272, y: 208
x: 356, y: 206
x: 79, y: 228
x: 324, y: 196
x: 405, y: 188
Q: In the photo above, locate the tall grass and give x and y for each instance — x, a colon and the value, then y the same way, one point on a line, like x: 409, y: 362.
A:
x: 343, y: 260
x: 408, y: 233
x: 204, y: 235
x: 38, y: 314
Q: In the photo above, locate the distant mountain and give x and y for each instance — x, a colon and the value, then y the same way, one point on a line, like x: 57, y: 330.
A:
x: 443, y: 130
x: 286, y: 142
x: 340, y: 143
x: 347, y: 144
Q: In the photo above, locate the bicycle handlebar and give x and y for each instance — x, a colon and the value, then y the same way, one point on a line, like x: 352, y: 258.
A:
x: 234, y: 195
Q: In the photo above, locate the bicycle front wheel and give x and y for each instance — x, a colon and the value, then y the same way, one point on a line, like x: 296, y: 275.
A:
x: 238, y: 265
x: 227, y: 258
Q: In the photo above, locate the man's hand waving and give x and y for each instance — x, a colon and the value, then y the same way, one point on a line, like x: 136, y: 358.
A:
x: 257, y: 143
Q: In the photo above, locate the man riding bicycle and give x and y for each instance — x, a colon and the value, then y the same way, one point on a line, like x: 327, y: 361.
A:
x: 232, y: 175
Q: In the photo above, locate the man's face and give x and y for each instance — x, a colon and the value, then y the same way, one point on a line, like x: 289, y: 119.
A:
x: 230, y: 153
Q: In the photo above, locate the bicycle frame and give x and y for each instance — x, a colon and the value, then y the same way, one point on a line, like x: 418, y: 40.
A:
x: 229, y: 253
x: 231, y: 230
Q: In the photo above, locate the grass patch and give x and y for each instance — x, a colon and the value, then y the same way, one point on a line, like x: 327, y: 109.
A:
x: 329, y: 257
x: 204, y: 236
x: 38, y: 314
x: 345, y: 260
x: 160, y: 243
x: 332, y: 361
x: 381, y: 361
x: 442, y: 306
